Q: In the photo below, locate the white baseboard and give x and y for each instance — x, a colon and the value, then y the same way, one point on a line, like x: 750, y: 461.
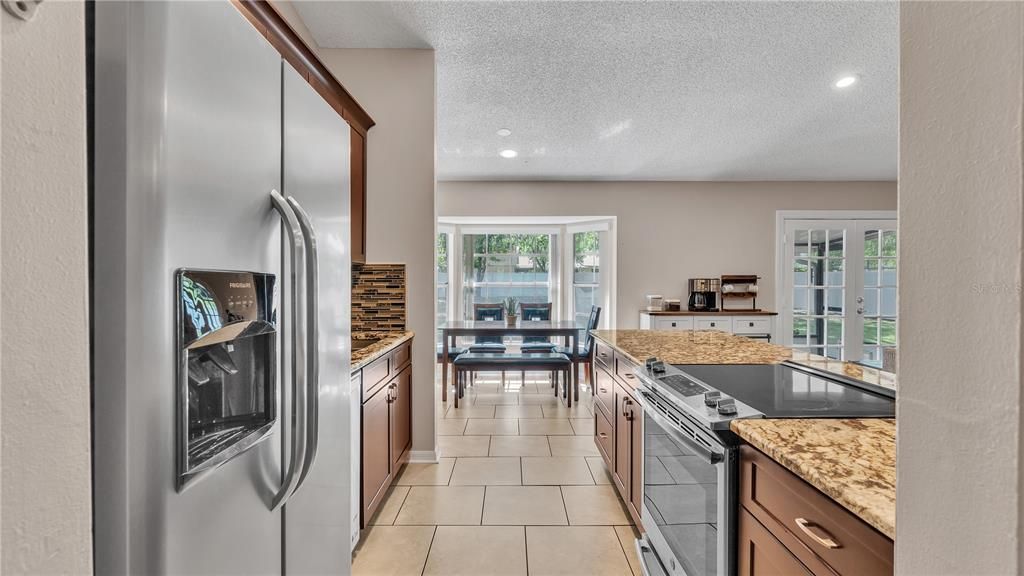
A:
x: 423, y: 457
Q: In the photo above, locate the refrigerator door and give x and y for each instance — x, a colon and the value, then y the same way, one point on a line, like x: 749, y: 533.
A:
x: 316, y: 179
x: 187, y: 149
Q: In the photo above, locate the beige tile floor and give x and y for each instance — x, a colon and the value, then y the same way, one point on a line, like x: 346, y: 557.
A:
x: 520, y: 489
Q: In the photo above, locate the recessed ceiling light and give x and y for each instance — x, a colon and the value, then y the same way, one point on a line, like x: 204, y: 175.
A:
x: 846, y: 81
x: 508, y: 153
x: 504, y: 132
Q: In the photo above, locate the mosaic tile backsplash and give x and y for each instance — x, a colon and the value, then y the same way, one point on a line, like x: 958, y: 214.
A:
x: 378, y: 298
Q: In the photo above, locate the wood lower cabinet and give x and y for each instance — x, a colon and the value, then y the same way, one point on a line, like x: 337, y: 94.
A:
x: 386, y: 425
x: 618, y: 430
x: 822, y: 537
x: 622, y: 474
x: 401, y: 411
x: 760, y: 554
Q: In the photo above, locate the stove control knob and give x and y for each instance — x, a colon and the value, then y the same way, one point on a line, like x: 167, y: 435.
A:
x: 658, y: 367
x: 727, y: 406
x: 650, y: 362
x: 711, y: 398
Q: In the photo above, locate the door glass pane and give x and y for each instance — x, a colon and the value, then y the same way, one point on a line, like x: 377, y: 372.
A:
x: 835, y: 301
x: 586, y: 275
x: 870, y: 331
x: 871, y: 301
x: 819, y: 243
x: 799, y: 331
x: 835, y: 331
x: 801, y: 272
x: 887, y: 304
x: 887, y: 331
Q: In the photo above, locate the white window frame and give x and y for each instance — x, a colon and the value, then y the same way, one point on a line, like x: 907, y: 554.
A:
x: 606, y: 278
x: 562, y: 229
x: 554, y: 272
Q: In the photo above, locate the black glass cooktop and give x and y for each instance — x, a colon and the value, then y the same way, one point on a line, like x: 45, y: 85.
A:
x: 781, y: 391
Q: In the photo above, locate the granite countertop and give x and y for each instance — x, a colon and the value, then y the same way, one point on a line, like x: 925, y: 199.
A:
x: 719, y: 313
x: 388, y: 342
x: 852, y: 461
x: 692, y: 347
x: 715, y: 347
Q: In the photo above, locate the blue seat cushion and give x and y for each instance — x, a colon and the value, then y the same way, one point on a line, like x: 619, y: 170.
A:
x: 512, y: 360
x: 487, y: 348
x: 534, y: 347
x: 452, y: 352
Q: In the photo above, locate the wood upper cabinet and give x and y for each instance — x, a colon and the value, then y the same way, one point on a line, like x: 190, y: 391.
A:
x: 358, y: 204
x: 377, y: 462
x: 401, y: 411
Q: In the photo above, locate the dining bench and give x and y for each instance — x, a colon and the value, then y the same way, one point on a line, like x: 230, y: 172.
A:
x: 559, y: 365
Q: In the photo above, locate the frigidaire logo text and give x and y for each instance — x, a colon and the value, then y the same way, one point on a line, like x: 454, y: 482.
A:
x: 239, y: 284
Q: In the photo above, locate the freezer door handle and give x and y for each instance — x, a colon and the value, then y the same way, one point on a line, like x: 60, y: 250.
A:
x: 313, y: 336
x: 295, y: 367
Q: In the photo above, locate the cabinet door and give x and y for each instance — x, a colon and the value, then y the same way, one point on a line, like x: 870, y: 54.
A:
x: 605, y: 392
x: 760, y: 554
x: 636, y: 481
x: 376, y: 451
x: 401, y: 415
x: 358, y: 200
x: 623, y: 442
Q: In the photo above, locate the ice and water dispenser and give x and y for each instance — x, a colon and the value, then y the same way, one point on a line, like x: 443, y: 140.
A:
x: 227, y: 377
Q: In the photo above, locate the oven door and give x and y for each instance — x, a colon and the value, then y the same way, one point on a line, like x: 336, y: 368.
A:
x: 689, y: 506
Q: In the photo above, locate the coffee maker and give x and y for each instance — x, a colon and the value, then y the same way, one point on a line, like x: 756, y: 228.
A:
x: 703, y: 294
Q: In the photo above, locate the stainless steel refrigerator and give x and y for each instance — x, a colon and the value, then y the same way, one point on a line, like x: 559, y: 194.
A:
x: 221, y: 301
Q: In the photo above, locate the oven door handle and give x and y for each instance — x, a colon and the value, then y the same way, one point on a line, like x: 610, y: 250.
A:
x: 707, y: 455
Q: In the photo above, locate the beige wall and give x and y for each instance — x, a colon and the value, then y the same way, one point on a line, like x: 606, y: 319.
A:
x: 46, y: 499
x: 671, y: 231
x: 959, y: 433
x: 396, y: 87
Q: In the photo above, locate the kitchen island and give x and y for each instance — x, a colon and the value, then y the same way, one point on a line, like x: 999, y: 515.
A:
x: 847, y: 464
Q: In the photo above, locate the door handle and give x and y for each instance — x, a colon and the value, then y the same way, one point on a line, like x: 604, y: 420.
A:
x: 296, y: 250
x: 313, y: 334
x: 827, y: 541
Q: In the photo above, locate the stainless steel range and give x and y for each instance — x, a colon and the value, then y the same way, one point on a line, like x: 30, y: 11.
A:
x: 690, y: 455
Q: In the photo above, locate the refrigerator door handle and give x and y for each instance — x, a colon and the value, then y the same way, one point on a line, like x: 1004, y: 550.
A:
x: 313, y: 334
x: 297, y: 255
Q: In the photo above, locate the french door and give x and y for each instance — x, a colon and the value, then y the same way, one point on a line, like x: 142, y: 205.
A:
x: 839, y: 288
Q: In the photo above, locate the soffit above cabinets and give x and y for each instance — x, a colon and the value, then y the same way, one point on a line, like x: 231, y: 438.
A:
x: 647, y: 90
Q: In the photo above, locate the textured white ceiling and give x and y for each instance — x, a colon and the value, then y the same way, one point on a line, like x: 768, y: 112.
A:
x: 647, y: 90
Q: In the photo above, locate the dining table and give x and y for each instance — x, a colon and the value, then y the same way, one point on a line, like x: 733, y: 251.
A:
x: 568, y: 330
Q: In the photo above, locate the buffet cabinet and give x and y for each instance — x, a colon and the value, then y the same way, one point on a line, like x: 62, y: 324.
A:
x: 760, y: 326
x: 618, y: 424
x: 386, y: 433
x: 787, y: 526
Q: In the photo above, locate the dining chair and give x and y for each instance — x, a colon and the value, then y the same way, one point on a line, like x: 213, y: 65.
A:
x: 483, y: 312
x: 534, y: 312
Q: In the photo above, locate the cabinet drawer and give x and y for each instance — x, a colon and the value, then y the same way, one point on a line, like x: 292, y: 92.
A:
x: 604, y: 437
x: 624, y: 369
x: 808, y: 523
x: 751, y: 325
x: 673, y: 323
x: 723, y: 323
x: 603, y: 354
x: 400, y: 357
x: 760, y: 554
x: 604, y: 390
x: 375, y: 374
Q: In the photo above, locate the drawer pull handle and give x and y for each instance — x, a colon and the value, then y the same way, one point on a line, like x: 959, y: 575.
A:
x: 604, y: 390
x: 629, y: 376
x: 602, y: 435
x: 825, y: 541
